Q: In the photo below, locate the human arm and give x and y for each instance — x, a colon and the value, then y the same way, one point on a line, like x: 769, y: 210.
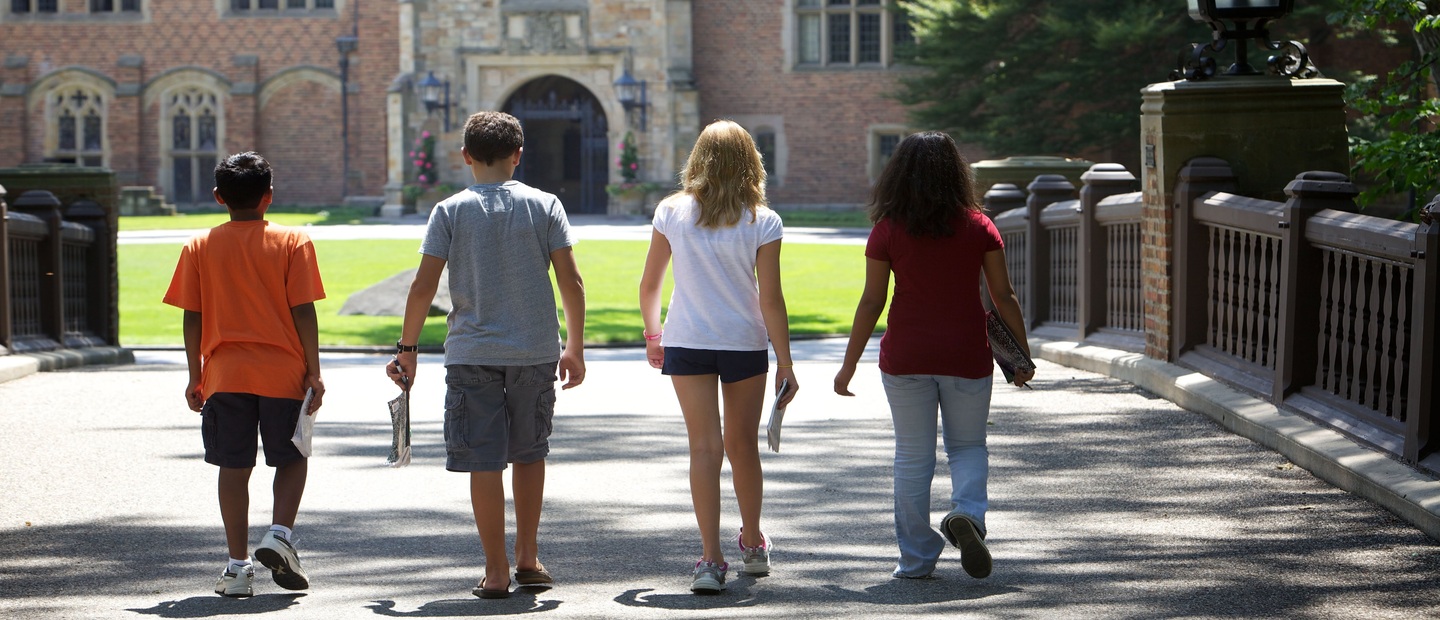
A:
x: 308, y: 327
x: 657, y: 260
x: 417, y: 307
x: 1007, y: 305
x: 867, y: 314
x: 194, y: 395
x: 572, y: 299
x: 777, y: 318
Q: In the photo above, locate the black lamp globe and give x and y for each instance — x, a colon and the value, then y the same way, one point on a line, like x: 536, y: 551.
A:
x: 1211, y: 11
x: 631, y: 94
x: 430, y: 89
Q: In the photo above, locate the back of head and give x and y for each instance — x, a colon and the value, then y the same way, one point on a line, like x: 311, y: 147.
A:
x: 925, y: 184
x: 724, y: 175
x: 492, y: 136
x: 242, y: 179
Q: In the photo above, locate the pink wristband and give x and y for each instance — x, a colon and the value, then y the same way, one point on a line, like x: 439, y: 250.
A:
x: 649, y: 337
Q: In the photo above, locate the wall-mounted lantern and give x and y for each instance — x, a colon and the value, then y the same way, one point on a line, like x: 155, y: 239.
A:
x: 435, y: 94
x: 632, y: 96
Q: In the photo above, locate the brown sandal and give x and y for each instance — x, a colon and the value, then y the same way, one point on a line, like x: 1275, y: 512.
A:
x: 483, y: 592
x: 539, y: 576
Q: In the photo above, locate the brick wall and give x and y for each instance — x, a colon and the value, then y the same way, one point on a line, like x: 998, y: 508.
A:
x: 740, y: 69
x: 179, y: 34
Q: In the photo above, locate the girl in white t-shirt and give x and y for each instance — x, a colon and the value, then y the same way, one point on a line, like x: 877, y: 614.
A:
x: 727, y: 303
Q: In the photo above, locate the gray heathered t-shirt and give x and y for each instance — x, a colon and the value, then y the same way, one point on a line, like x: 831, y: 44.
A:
x: 496, y: 240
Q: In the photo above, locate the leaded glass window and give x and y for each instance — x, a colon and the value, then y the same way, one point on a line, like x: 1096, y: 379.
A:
x: 849, y: 33
x: 193, y: 117
x: 76, y: 120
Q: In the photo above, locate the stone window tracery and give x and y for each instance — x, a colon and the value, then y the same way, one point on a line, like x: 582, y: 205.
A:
x: 114, y: 6
x: 75, y: 120
x: 192, y: 118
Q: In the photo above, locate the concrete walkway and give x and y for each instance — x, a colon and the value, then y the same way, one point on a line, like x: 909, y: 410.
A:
x: 1107, y: 501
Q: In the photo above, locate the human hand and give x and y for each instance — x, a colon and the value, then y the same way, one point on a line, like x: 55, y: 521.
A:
x: 401, y: 369
x: 572, y: 368
x: 654, y: 353
x: 1023, y: 376
x: 782, y: 375
x: 842, y: 379
x: 314, y: 382
x: 194, y: 397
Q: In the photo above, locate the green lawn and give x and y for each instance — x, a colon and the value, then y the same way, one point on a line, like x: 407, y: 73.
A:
x: 289, y: 216
x: 822, y: 284
x: 825, y: 218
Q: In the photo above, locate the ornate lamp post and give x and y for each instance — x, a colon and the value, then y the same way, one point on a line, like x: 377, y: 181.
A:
x: 1240, y: 21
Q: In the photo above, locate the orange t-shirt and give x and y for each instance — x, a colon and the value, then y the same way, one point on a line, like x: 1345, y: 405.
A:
x: 243, y: 278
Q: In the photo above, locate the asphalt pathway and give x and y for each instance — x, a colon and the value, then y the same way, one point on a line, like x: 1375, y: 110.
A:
x: 1106, y: 502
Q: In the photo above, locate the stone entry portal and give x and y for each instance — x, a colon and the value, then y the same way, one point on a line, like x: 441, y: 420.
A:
x: 567, y: 147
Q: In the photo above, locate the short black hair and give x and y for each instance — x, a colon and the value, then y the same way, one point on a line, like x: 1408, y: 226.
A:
x: 242, y: 180
x: 492, y: 136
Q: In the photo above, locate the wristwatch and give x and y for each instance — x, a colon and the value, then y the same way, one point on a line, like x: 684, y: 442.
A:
x: 401, y: 348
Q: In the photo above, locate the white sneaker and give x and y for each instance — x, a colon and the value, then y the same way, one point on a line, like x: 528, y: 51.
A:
x: 757, y: 559
x: 236, y: 582
x: 709, y: 577
x: 278, y: 555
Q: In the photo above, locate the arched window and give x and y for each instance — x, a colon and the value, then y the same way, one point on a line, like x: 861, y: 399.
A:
x: 192, y: 116
x: 75, y: 120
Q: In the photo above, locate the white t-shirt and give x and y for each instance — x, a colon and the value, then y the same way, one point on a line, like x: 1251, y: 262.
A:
x: 716, y: 301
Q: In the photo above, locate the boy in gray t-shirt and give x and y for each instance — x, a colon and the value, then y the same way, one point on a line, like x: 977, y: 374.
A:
x: 500, y: 239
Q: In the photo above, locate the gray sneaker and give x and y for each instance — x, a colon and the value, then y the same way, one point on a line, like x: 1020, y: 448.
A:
x: 757, y: 559
x: 236, y: 582
x: 709, y: 577
x: 278, y: 555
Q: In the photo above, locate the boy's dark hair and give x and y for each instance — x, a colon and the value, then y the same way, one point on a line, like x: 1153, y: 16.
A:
x: 925, y: 184
x: 492, y: 136
x: 242, y: 180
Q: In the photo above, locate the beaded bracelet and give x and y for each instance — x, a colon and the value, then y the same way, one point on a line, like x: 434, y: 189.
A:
x: 654, y: 337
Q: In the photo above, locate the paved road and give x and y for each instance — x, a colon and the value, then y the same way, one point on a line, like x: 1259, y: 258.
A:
x: 1107, y: 502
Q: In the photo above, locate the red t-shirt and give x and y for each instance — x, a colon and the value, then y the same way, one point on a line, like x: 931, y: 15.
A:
x: 243, y: 278
x: 936, y: 324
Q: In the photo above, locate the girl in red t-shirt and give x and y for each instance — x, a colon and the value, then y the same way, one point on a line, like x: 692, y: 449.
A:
x: 930, y: 232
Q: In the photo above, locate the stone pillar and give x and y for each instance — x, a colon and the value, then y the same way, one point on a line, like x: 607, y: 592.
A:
x: 1269, y: 128
x: 1045, y: 190
x: 395, y: 159
x: 124, y: 114
x: 1101, y: 181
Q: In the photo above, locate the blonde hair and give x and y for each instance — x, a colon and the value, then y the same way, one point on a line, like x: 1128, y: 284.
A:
x: 724, y: 174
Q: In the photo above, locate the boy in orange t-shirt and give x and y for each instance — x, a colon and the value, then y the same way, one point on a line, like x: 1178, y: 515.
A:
x: 248, y: 289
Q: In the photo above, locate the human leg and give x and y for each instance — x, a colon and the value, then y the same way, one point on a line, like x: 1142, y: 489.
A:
x: 699, y: 403
x: 277, y: 418
x: 487, y: 500
x: 530, y: 407
x: 527, y: 482
x: 914, y: 402
x: 964, y: 411
x: 234, y: 491
x: 744, y: 401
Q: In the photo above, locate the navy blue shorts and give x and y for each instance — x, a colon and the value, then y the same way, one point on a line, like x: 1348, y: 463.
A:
x: 228, y: 422
x: 732, y: 366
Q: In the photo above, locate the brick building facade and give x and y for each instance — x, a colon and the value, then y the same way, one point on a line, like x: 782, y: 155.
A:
x: 157, y: 89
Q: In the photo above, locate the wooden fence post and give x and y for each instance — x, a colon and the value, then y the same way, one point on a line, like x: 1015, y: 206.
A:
x: 46, y: 206
x: 1300, y: 277
x: 1045, y: 190
x: 1420, y: 423
x: 1189, y: 323
x: 1101, y: 181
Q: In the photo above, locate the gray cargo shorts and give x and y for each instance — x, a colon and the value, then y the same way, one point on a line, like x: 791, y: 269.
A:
x: 497, y: 414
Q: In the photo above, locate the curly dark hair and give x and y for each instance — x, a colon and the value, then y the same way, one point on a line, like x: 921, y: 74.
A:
x: 242, y: 180
x: 491, y: 136
x: 924, y: 186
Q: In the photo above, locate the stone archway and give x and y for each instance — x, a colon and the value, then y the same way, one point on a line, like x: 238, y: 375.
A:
x: 567, y: 148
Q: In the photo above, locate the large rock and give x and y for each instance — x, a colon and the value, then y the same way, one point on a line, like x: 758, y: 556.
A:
x: 387, y: 298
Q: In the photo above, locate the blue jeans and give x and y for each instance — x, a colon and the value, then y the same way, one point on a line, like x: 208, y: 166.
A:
x: 964, y: 406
